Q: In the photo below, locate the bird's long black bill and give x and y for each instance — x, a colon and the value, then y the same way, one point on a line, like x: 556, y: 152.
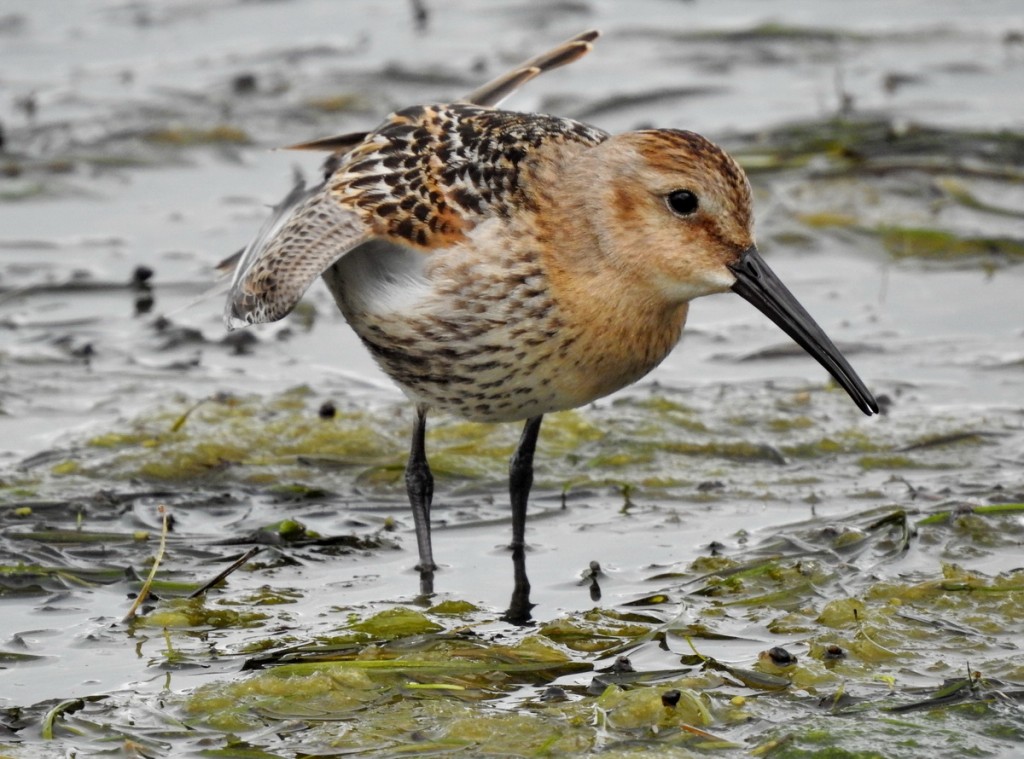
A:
x: 756, y: 283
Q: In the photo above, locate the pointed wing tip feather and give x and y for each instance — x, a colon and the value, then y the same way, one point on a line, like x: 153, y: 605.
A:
x: 338, y: 143
x: 580, y: 45
x: 492, y: 93
x: 262, y: 301
x: 232, y: 321
x: 237, y: 316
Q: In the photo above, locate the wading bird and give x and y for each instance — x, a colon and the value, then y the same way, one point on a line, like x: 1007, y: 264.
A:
x: 500, y: 265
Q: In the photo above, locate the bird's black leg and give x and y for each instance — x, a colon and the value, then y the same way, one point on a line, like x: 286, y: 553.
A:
x: 419, y: 484
x: 520, y: 478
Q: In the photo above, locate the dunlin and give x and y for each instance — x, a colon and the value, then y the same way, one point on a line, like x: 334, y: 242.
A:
x: 500, y: 265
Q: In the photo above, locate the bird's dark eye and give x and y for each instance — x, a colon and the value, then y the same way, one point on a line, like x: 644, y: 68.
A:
x: 682, y: 202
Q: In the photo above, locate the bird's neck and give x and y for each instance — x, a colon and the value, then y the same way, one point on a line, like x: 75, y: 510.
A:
x: 621, y: 325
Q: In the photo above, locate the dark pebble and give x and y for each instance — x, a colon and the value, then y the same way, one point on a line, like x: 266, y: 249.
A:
x: 141, y: 276
x: 144, y: 304
x: 834, y: 652
x: 709, y: 485
x: 622, y: 664
x: 241, y: 342
x: 244, y: 84
x: 554, y: 693
x: 779, y: 656
x: 670, y: 697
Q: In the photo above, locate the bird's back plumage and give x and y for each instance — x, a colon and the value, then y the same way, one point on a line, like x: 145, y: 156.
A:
x: 451, y: 295
x: 393, y: 182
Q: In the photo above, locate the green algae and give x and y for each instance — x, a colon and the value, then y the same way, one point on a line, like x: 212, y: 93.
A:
x: 454, y: 607
x: 958, y: 192
x: 414, y: 678
x: 33, y: 578
x: 338, y: 103
x: 66, y: 467
x: 942, y: 517
x: 281, y: 445
x: 892, y: 461
x: 443, y: 678
x: 427, y: 674
x: 230, y: 433
x: 396, y: 623
x: 192, y: 613
x: 922, y: 243
x: 827, y: 219
x: 395, y: 679
x: 455, y: 722
x: 865, y: 141
x: 911, y: 242
x: 190, y: 136
x: 289, y: 530
x: 869, y: 179
x: 595, y: 631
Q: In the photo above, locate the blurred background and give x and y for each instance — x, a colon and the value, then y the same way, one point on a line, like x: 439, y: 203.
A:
x: 141, y: 134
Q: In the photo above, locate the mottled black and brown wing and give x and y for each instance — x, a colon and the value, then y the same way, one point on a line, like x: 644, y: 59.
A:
x: 432, y: 173
x: 424, y: 179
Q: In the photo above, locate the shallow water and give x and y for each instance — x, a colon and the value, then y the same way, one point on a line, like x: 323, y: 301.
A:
x: 139, y: 134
